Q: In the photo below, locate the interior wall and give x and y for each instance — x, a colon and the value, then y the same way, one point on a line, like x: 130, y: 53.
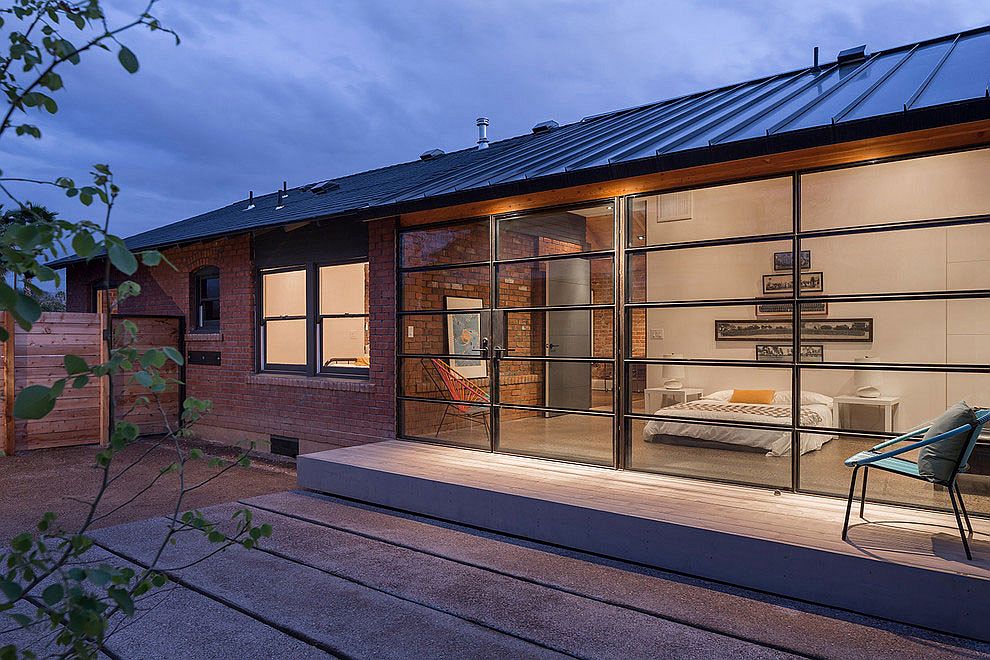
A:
x: 919, y: 260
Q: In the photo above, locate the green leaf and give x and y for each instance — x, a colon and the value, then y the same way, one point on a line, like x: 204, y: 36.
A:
x: 8, y: 297
x: 84, y: 244
x: 173, y: 354
x: 122, y: 258
x: 151, y: 257
x: 22, y: 542
x: 11, y: 590
x: 75, y: 365
x: 153, y: 358
x: 143, y: 378
x: 123, y: 600
x: 128, y: 59
x: 33, y: 402
x: 27, y: 310
x: 80, y: 382
x: 98, y: 576
x: 52, y: 594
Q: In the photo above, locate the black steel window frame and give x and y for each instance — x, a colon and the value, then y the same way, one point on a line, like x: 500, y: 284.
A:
x: 624, y: 308
x: 311, y: 318
x: 798, y: 298
x: 493, y: 317
x: 344, y: 372
x: 199, y: 297
x: 263, y: 364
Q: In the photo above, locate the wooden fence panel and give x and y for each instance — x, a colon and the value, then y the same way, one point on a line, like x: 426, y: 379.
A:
x: 38, y: 360
x: 80, y: 416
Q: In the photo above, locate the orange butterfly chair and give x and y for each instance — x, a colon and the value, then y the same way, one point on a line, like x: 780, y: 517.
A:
x: 468, y: 401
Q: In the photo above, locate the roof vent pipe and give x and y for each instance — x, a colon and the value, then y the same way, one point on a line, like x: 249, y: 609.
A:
x: 250, y: 200
x: 816, y: 58
x: 285, y: 189
x: 482, y: 132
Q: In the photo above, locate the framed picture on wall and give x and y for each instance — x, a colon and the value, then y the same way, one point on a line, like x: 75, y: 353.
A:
x: 846, y: 330
x: 785, y: 260
x: 779, y: 330
x: 813, y: 282
x: 464, y: 336
x: 784, y: 309
x: 784, y: 353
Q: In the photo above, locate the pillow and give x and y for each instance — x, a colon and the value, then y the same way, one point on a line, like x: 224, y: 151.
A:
x: 783, y: 397
x: 752, y: 396
x: 721, y: 395
x: 936, y: 461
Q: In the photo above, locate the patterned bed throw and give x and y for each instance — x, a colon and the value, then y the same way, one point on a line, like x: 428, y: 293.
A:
x: 808, y: 417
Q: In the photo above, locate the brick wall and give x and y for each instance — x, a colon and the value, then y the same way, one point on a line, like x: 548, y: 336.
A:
x: 322, y: 412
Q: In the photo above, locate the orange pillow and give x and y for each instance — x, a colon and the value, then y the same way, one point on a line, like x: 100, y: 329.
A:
x: 752, y: 396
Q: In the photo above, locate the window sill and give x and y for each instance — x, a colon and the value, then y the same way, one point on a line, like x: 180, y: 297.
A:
x: 312, y: 382
x: 204, y: 336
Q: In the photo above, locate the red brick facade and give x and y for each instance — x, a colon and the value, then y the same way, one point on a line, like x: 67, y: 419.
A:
x: 321, y: 412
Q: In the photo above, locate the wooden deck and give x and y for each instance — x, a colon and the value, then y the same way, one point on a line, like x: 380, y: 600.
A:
x: 906, y: 564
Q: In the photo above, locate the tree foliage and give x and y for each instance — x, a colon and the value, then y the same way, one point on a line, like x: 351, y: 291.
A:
x: 50, y: 586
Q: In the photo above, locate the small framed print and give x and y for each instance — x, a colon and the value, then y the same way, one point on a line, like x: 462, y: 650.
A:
x: 784, y: 309
x: 813, y: 282
x: 784, y: 352
x: 784, y: 261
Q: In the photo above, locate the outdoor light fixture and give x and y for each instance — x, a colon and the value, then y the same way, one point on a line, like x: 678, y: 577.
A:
x: 868, y: 381
x: 673, y: 373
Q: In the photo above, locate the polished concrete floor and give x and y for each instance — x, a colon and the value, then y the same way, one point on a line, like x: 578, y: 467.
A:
x: 588, y: 439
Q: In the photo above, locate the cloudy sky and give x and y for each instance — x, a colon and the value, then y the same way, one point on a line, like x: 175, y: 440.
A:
x: 302, y: 90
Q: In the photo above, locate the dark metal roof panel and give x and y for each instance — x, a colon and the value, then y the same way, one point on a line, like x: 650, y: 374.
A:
x: 917, y: 82
x: 965, y: 74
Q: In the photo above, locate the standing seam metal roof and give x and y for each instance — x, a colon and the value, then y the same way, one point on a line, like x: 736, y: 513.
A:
x: 935, y: 82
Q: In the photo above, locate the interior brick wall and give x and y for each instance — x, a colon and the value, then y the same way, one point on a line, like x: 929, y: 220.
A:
x: 321, y: 412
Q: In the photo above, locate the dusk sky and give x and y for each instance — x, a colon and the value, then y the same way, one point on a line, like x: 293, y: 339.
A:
x: 305, y: 90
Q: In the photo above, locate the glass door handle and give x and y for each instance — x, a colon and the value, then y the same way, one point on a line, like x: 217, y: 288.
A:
x: 551, y: 346
x: 500, y: 352
x: 484, y: 348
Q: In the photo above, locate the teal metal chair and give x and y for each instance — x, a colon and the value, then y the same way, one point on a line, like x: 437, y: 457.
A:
x: 889, y: 461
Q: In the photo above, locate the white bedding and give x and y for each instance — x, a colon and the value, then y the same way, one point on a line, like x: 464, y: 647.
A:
x: 775, y: 442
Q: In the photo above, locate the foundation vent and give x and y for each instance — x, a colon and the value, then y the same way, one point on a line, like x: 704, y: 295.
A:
x: 283, y: 446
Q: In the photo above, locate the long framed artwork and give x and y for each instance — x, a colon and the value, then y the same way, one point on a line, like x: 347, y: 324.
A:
x: 784, y: 261
x: 817, y: 330
x: 464, y: 336
x: 811, y: 282
x: 784, y: 352
x: 784, y: 309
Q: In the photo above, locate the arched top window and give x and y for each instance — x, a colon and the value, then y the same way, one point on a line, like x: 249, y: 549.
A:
x: 206, y: 299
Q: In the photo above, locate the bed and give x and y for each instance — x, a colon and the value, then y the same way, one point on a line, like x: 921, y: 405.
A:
x: 816, y: 410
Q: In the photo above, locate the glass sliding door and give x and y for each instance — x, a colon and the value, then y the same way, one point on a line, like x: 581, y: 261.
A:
x: 445, y: 371
x: 709, y: 317
x: 554, y: 333
x: 905, y: 248
x: 507, y: 334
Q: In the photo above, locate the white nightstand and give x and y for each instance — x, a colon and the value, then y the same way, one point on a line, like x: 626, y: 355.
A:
x: 888, y: 404
x: 661, y: 397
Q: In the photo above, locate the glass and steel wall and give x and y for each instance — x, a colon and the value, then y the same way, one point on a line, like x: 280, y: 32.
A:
x: 630, y: 332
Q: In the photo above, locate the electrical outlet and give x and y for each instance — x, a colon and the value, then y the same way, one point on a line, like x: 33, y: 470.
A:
x: 409, y: 332
x: 656, y: 333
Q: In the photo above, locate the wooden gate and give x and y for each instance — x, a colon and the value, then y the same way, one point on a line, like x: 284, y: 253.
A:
x: 80, y: 416
x: 153, y: 417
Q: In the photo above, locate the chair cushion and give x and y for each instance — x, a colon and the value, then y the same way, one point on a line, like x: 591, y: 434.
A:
x: 936, y: 462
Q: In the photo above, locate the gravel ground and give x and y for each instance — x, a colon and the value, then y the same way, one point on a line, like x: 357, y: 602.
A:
x: 34, y: 482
